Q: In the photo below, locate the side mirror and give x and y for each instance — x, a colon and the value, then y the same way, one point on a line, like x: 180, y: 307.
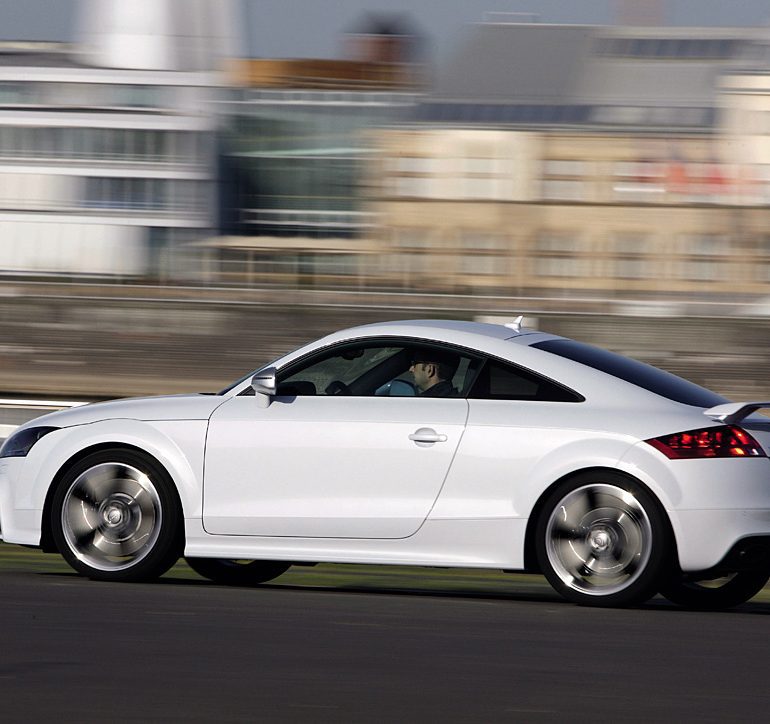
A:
x: 264, y: 385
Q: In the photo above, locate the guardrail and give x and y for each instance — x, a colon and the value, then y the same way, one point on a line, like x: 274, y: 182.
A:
x: 36, y: 407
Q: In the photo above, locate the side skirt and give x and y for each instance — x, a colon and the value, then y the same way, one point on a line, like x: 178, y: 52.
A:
x: 492, y: 543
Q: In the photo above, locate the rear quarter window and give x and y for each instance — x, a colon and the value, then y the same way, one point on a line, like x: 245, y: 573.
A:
x: 499, y: 381
x: 630, y: 370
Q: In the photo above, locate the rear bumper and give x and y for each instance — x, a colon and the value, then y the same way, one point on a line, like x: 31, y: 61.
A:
x: 711, y: 539
x: 712, y: 503
x: 748, y: 554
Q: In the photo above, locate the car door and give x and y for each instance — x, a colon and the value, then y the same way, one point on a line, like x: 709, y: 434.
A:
x: 333, y: 455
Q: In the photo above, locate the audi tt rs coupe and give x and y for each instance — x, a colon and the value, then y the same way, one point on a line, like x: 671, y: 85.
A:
x: 424, y: 443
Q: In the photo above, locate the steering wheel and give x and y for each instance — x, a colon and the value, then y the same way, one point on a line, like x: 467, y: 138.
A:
x: 337, y: 388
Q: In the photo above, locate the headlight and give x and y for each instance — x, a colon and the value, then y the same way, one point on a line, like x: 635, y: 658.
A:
x: 20, y: 443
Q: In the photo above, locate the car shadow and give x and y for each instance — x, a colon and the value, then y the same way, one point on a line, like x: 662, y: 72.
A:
x: 543, y: 594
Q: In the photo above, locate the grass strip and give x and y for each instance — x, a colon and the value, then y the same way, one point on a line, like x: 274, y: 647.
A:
x: 462, y: 581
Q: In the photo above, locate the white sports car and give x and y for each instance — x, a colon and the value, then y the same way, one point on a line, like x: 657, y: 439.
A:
x: 423, y: 443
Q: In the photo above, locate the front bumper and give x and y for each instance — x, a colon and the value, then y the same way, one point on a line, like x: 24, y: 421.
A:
x: 19, y: 523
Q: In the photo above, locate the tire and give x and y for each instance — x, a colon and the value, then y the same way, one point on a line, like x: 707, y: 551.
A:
x: 236, y: 572
x: 603, y: 540
x: 715, y: 593
x: 116, y: 517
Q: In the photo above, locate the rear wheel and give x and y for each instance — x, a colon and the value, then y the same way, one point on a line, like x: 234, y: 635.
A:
x: 602, y: 540
x: 116, y: 517
x: 716, y: 593
x: 233, y: 572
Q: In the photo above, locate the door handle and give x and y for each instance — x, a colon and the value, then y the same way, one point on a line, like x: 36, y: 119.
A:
x: 427, y: 435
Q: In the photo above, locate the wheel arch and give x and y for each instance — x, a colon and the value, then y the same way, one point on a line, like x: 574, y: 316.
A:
x: 46, y: 531
x: 530, y: 557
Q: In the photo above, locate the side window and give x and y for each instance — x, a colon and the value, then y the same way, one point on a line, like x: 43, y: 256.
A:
x: 352, y: 370
x: 382, y: 369
x: 500, y: 381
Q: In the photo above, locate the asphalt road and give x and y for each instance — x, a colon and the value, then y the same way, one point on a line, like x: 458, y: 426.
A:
x: 186, y: 650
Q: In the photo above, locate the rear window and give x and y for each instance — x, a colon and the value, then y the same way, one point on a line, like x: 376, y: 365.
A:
x: 630, y: 370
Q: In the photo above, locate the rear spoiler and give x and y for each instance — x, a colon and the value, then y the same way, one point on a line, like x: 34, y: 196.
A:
x: 733, y: 412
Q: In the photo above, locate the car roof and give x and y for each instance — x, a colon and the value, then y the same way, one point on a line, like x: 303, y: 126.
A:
x: 414, y: 327
x: 482, y: 336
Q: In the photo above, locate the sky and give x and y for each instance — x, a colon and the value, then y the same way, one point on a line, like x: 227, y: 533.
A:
x: 314, y: 28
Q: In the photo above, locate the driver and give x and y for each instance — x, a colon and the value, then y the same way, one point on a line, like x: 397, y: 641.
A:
x: 433, y: 371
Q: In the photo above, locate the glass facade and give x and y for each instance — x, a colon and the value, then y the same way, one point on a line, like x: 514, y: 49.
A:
x: 294, y: 162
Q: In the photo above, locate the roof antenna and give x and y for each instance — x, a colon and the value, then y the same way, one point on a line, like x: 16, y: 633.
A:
x: 515, y: 325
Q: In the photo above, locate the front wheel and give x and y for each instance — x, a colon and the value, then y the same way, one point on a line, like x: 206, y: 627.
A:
x: 715, y: 593
x: 233, y: 572
x: 602, y: 540
x: 116, y: 517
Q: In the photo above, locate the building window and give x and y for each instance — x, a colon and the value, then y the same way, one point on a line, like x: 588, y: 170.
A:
x: 705, y: 244
x: 486, y: 265
x: 556, y: 241
x: 415, y: 176
x: 482, y: 253
x: 140, y: 96
x: 562, y: 266
x: 564, y: 168
x: 631, y: 268
x: 103, y: 144
x: 479, y: 178
x: 16, y: 93
x: 631, y: 256
x: 560, y: 254
x: 409, y: 265
x: 480, y: 241
x: 630, y: 242
x: 411, y: 239
x: 701, y: 270
x: 563, y: 190
x: 564, y: 180
x: 142, y: 194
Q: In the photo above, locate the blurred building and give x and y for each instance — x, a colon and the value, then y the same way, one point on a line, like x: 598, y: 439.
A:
x: 107, y: 150
x: 295, y: 150
x: 565, y: 159
x: 544, y: 159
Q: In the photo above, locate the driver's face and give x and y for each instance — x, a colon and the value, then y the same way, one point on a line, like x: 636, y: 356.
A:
x: 421, y: 372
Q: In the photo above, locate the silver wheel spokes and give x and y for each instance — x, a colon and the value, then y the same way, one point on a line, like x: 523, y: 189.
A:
x: 111, y: 516
x: 598, y: 539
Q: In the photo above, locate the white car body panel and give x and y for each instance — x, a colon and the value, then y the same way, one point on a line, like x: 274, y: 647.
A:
x: 337, y: 478
x: 177, y: 445
x: 461, y: 543
x: 323, y: 467
x: 169, y: 407
x: 487, y: 481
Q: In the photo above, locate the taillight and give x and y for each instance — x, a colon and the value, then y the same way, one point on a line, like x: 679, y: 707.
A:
x: 726, y: 441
